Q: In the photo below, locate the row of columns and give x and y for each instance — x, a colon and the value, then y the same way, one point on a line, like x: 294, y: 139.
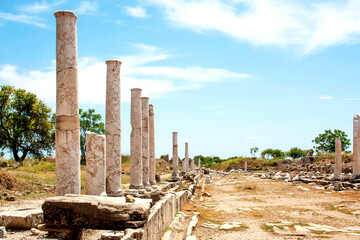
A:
x: 185, y: 164
x: 103, y: 152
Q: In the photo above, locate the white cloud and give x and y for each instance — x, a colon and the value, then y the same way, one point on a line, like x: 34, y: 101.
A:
x: 155, y: 81
x: 308, y: 25
x: 23, y: 18
x: 352, y: 99
x: 137, y: 11
x: 39, y: 7
x: 87, y: 7
x: 326, y: 97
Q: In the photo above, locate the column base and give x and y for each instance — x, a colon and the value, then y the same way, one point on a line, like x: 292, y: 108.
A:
x: 132, y: 192
x: 118, y: 193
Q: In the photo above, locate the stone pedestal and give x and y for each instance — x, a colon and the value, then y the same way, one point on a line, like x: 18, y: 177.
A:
x: 356, y: 146
x: 95, y: 164
x: 152, y: 161
x: 145, y: 142
x: 338, y: 150
x: 113, y: 128
x: 175, y: 174
x: 67, y: 133
x: 136, y: 181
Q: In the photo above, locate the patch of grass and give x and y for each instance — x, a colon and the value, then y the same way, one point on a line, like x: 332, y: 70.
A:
x: 342, y: 210
x: 254, y: 199
x: 33, y: 179
x: 268, y: 228
x: 242, y: 227
x: 36, y: 166
x: 258, y: 215
x: 318, y: 232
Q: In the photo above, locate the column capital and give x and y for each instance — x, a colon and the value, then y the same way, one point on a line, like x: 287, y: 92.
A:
x: 65, y: 13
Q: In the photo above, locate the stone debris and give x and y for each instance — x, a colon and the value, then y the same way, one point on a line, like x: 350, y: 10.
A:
x: 129, y: 199
x: 35, y: 231
x: 299, y: 228
x: 21, y: 218
x: 112, y: 236
x: 2, y: 232
x: 210, y: 225
x: 230, y: 225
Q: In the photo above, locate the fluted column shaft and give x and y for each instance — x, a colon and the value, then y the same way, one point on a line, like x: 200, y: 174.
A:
x: 67, y: 133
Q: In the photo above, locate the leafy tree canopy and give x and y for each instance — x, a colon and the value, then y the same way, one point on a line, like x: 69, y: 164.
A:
x: 326, y: 141
x: 253, y: 151
x: 25, y: 124
x: 274, y: 153
x: 296, y: 152
x: 89, y: 122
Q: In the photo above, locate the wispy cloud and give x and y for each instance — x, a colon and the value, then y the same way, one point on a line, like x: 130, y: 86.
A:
x: 87, y: 7
x: 23, y: 18
x: 39, y: 7
x: 307, y: 25
x: 155, y: 81
x: 137, y: 11
x: 326, y: 97
x: 352, y: 99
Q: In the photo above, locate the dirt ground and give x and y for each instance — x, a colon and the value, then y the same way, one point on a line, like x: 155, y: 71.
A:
x: 247, y: 207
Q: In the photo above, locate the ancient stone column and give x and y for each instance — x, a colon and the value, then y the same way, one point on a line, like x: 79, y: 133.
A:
x: 145, y: 142
x: 338, y: 150
x: 135, y: 144
x: 152, y: 161
x: 185, y: 165
x: 113, y: 128
x: 175, y: 174
x: 245, y: 168
x: 199, y: 163
x: 356, y: 146
x: 192, y: 165
x: 95, y: 164
x: 67, y: 134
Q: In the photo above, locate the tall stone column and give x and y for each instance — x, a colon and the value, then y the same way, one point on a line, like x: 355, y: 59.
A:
x: 199, y: 163
x: 338, y: 149
x: 175, y: 174
x: 152, y: 161
x: 185, y: 165
x: 192, y: 165
x: 136, y: 181
x: 95, y: 164
x: 245, y: 168
x: 145, y: 142
x: 113, y: 128
x: 356, y: 146
x: 67, y: 133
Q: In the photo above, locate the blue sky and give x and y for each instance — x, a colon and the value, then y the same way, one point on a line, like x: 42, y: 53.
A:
x: 227, y: 75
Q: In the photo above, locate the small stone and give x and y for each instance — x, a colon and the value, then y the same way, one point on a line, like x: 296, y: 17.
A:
x: 130, y: 198
x: 2, y: 232
x: 35, y: 231
x: 206, y: 194
x: 112, y: 236
x: 10, y: 198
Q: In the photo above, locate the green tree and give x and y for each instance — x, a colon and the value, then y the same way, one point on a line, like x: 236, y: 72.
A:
x: 296, y: 152
x: 274, y: 153
x: 25, y: 124
x: 326, y: 141
x: 89, y: 122
x: 253, y: 151
x: 266, y: 153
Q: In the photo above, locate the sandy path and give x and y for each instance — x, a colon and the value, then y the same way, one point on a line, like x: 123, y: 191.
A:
x: 269, y: 209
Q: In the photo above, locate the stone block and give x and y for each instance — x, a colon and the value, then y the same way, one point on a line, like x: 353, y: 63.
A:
x: 85, y: 211
x: 2, y: 232
x: 22, y: 218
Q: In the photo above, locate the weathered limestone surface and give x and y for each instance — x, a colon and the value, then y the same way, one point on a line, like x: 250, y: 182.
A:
x: 95, y: 164
x: 175, y: 174
x: 67, y: 134
x: 356, y: 146
x: 113, y: 128
x: 145, y: 141
x: 245, y: 168
x: 96, y: 212
x: 187, y: 157
x: 338, y: 149
x: 22, y: 218
x: 135, y: 144
x: 152, y: 161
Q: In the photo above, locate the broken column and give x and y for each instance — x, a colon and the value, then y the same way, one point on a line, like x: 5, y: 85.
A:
x: 175, y: 174
x: 199, y: 163
x: 135, y: 142
x: 338, y: 149
x: 67, y: 133
x: 185, y: 164
x: 95, y: 164
x: 356, y: 146
x: 152, y: 161
x: 145, y: 142
x: 113, y: 128
x: 245, y: 168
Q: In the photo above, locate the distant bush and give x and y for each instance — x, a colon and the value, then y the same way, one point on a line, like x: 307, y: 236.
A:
x: 274, y: 153
x: 207, y: 161
x: 296, y: 152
